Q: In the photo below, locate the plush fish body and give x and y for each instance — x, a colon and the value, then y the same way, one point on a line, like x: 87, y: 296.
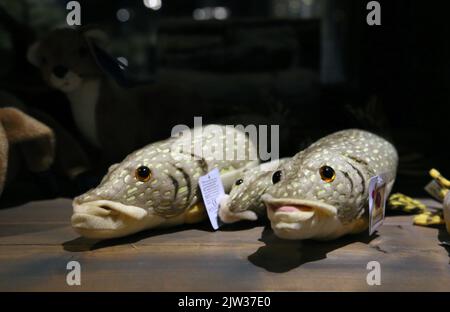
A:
x: 322, y: 192
x: 157, y: 186
x: 244, y: 200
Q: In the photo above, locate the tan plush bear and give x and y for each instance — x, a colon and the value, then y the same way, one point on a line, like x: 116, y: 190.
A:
x: 36, y: 141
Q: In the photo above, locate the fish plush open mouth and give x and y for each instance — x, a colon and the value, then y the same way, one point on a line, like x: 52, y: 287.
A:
x: 296, y: 210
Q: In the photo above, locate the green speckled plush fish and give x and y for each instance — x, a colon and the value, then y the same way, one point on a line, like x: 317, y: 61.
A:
x: 244, y: 200
x: 322, y: 192
x: 157, y: 186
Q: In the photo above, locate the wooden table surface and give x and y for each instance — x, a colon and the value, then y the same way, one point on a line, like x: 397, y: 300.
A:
x: 37, y: 242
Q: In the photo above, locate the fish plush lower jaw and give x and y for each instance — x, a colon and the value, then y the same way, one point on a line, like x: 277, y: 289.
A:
x: 102, y: 219
x: 106, y: 207
x: 302, y: 219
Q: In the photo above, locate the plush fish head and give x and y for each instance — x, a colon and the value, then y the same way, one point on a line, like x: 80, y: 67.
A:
x: 322, y: 193
x: 244, y: 200
x: 141, y: 192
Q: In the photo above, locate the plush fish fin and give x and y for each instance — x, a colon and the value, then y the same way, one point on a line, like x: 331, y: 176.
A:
x: 196, y: 213
x: 360, y: 225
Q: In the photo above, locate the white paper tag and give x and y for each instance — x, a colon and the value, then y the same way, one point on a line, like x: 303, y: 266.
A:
x: 377, y: 202
x: 212, y: 190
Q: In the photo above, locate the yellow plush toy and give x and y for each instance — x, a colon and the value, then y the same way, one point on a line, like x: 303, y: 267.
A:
x: 439, y: 189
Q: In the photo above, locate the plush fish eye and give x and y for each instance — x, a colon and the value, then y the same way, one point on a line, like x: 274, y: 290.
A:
x: 239, y: 182
x: 327, y: 174
x: 276, y: 177
x: 143, y: 173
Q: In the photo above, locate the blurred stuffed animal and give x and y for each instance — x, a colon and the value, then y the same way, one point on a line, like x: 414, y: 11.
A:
x: 110, y: 111
x: 36, y: 142
x: 71, y: 169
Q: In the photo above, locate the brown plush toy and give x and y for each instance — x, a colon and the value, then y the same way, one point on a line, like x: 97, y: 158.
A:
x: 34, y: 139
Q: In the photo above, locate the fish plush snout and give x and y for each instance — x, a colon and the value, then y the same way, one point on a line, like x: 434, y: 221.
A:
x: 229, y: 216
x: 106, y: 219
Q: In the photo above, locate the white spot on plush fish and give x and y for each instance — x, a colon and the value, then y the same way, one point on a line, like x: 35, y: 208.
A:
x: 157, y: 186
x: 322, y: 192
x: 244, y: 200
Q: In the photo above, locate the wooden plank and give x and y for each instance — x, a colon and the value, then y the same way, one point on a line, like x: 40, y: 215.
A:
x: 36, y: 242
x: 45, y: 211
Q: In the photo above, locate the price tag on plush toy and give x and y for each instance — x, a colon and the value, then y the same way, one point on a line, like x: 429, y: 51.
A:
x: 377, y: 202
x: 212, y: 190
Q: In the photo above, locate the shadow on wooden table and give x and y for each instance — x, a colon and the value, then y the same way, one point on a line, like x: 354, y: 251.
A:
x: 279, y: 255
x: 81, y: 244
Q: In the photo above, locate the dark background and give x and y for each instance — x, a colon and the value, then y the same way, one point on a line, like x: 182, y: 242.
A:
x: 391, y: 79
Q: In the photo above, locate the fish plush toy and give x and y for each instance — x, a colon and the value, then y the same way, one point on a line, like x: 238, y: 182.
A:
x: 157, y: 186
x: 323, y: 192
x: 244, y: 200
